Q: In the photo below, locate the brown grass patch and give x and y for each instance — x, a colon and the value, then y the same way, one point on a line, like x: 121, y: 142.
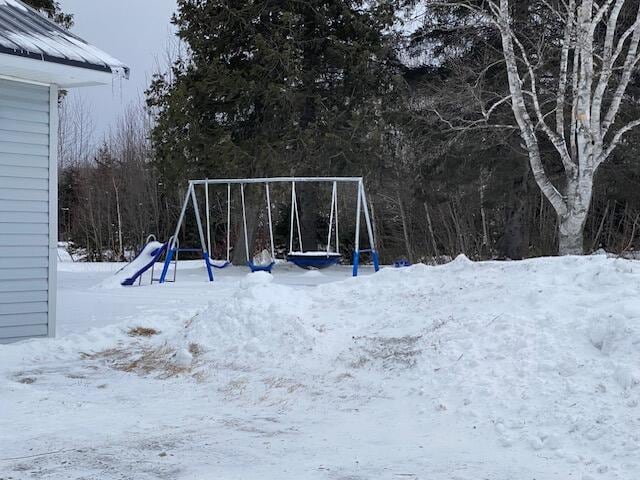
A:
x: 281, y: 383
x: 142, y: 361
x: 143, y: 332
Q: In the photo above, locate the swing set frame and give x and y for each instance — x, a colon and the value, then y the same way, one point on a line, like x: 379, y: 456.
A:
x: 205, y: 240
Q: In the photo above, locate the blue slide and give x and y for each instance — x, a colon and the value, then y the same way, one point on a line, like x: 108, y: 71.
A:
x: 149, y: 255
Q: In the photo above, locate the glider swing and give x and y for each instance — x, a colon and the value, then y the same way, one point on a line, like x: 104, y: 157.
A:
x: 300, y: 258
x: 254, y: 266
x: 314, y: 260
x: 220, y: 264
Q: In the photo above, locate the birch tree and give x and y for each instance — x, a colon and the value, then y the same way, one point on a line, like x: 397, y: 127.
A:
x: 576, y: 107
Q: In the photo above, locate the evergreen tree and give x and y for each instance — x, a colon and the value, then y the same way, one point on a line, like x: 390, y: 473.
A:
x: 274, y: 87
x: 52, y: 9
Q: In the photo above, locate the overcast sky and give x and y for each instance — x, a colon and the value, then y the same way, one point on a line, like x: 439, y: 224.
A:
x: 135, y: 32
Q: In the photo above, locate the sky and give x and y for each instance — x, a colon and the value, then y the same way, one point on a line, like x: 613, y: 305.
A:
x: 136, y: 32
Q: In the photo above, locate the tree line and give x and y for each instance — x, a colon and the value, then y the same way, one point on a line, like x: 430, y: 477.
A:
x: 494, y: 128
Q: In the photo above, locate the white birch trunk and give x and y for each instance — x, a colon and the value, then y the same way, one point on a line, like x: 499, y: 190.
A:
x: 584, y: 145
x: 571, y: 225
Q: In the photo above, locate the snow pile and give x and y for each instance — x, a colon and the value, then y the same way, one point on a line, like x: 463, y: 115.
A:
x: 63, y: 252
x: 543, y: 353
x: 504, y: 369
x: 546, y: 351
x: 259, y: 320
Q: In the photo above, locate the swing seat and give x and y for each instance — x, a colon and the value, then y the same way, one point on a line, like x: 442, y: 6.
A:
x: 260, y: 268
x: 402, y: 263
x: 314, y: 260
x: 219, y: 264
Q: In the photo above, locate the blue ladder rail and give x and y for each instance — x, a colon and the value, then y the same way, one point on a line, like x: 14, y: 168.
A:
x: 172, y: 256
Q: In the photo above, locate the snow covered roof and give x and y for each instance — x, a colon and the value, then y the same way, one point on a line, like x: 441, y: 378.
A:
x: 26, y: 33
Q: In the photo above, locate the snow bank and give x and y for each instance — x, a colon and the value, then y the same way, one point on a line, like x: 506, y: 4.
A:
x: 259, y: 321
x: 86, y: 267
x: 63, y: 253
x: 541, y: 356
x: 545, y: 352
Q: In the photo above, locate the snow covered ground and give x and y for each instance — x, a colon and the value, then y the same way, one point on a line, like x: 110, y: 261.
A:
x: 467, y: 371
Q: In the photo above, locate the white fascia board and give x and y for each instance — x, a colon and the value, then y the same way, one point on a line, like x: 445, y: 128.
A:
x: 50, y: 73
x: 53, y: 210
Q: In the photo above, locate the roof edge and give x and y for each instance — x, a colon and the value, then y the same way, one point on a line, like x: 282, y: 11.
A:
x: 89, y: 56
x: 30, y: 69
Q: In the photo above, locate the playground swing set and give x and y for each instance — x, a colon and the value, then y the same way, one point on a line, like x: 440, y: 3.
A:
x: 301, y: 258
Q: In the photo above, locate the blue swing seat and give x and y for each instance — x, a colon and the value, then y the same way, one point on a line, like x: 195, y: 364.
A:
x: 314, y: 260
x: 260, y: 268
x: 219, y: 264
x: 402, y: 263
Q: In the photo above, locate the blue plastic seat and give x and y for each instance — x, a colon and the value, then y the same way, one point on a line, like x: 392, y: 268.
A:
x: 401, y: 263
x: 260, y: 268
x: 219, y: 264
x: 314, y: 261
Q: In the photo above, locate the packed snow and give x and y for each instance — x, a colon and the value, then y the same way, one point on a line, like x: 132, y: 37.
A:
x: 466, y: 371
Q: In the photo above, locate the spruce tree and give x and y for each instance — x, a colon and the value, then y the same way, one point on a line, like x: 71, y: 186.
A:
x: 272, y: 84
x: 52, y: 9
x: 274, y: 87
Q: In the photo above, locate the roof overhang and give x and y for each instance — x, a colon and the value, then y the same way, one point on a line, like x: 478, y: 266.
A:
x: 50, y: 73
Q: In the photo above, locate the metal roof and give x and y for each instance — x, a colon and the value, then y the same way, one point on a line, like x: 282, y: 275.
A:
x: 26, y: 33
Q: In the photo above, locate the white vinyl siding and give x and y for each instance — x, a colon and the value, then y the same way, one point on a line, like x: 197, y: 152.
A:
x: 25, y: 231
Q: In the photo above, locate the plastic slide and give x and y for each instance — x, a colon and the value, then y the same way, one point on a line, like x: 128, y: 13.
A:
x: 149, y: 255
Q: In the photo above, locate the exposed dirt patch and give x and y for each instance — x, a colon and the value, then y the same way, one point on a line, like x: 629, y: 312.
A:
x: 195, y: 349
x: 142, y: 332
x: 26, y: 380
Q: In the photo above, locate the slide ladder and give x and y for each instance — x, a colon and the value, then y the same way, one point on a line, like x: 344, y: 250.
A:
x: 173, y: 261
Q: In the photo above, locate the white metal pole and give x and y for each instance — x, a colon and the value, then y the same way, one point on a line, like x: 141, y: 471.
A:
x: 208, y: 208
x: 298, y: 223
x: 333, y: 201
x: 244, y: 220
x: 205, y: 254
x: 228, y: 222
x: 372, y: 240
x: 293, y: 201
x: 335, y: 185
x: 181, y: 218
x: 173, y: 241
x: 247, y: 181
x: 198, y: 220
x: 358, y: 215
x: 273, y: 248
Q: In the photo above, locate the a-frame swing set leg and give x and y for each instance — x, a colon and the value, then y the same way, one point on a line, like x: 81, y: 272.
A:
x: 203, y: 242
x: 362, y: 205
x: 171, y: 250
x: 174, y: 240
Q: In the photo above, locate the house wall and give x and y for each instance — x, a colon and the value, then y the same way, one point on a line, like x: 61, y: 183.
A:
x: 28, y: 207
